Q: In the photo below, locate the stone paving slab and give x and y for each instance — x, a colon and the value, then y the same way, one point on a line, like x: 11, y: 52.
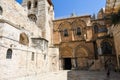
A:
x: 80, y: 75
x: 92, y: 75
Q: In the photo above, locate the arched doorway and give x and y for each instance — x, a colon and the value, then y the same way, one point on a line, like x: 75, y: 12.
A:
x: 106, y: 48
x: 66, y: 55
x: 107, y: 53
x: 67, y: 64
x: 9, y: 54
x: 81, y: 58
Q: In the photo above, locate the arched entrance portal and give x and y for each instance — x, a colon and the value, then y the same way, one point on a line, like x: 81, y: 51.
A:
x: 66, y: 54
x: 67, y: 64
x: 81, y: 58
x: 106, y: 48
x: 108, y: 55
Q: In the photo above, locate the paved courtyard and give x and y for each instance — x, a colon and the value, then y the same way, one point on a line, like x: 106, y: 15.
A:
x: 80, y: 75
x: 92, y: 75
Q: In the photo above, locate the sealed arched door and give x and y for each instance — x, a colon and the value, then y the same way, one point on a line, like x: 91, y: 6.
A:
x: 81, y: 58
x: 109, y: 55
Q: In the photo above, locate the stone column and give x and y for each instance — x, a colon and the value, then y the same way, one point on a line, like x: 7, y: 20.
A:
x: 118, y: 61
x: 99, y: 51
x: 116, y: 47
x: 74, y: 60
x: 61, y: 64
x: 73, y: 63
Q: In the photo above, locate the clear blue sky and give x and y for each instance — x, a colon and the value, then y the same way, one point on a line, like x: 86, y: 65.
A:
x: 64, y: 8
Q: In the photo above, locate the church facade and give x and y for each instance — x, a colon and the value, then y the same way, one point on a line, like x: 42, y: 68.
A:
x: 84, y: 42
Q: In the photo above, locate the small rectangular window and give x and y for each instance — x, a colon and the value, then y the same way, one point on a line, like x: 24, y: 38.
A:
x: 78, y: 32
x: 33, y: 55
x: 35, y: 4
x: 9, y: 54
x: 65, y: 33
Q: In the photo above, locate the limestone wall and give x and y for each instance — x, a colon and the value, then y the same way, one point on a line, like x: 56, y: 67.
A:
x: 22, y: 63
x: 27, y: 62
x: 44, y: 13
x: 53, y: 59
x: 49, y: 16
x: 116, y: 34
x: 15, y: 13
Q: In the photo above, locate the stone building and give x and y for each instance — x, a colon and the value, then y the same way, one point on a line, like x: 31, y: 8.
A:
x: 84, y: 42
x: 33, y: 43
x: 103, y: 41
x: 113, y: 9
x: 26, y: 48
x: 70, y: 35
x: 116, y: 35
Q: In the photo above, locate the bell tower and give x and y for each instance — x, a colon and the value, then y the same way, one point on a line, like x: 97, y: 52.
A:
x: 41, y: 12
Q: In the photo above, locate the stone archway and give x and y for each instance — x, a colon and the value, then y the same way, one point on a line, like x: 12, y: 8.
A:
x: 66, y: 52
x: 81, y: 55
x: 65, y: 31
x: 108, y: 54
x: 66, y: 55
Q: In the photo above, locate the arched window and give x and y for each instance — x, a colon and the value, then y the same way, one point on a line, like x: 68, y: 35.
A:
x: 35, y: 4
x: 106, y: 48
x: 95, y: 28
x: 9, y: 54
x: 33, y: 55
x: 1, y: 10
x: 65, y: 32
x: 29, y: 4
x: 32, y: 17
x: 78, y: 31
